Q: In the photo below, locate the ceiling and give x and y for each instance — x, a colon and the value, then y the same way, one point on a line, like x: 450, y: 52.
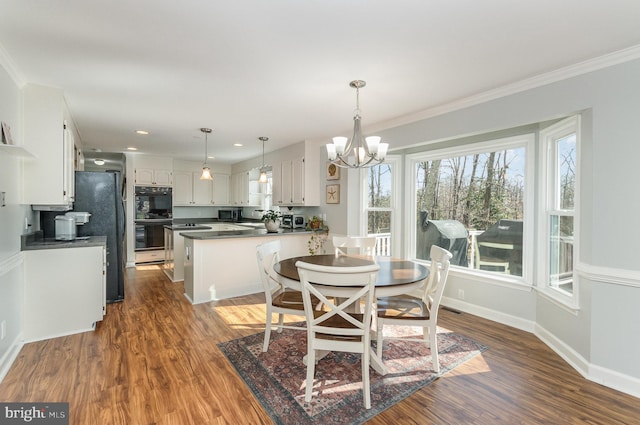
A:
x: 281, y: 68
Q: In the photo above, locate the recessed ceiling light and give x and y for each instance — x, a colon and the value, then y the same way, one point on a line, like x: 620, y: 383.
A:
x: 237, y: 144
x: 211, y: 157
x: 143, y: 132
x: 131, y: 148
x: 98, y: 161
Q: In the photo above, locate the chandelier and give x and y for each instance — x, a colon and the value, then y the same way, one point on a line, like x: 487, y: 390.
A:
x: 206, y: 171
x: 263, y: 170
x: 357, y: 152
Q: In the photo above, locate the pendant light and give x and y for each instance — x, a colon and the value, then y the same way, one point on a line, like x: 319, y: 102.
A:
x: 206, y: 171
x: 263, y: 171
x: 357, y: 152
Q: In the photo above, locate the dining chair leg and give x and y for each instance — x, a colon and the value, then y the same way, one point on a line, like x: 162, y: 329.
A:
x: 267, y: 331
x: 433, y: 337
x: 366, y: 385
x: 280, y: 322
x: 311, y: 367
x: 379, y: 339
x: 426, y: 335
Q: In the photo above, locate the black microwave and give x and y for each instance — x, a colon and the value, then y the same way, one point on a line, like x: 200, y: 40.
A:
x: 230, y: 215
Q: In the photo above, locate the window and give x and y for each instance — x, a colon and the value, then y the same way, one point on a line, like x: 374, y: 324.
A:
x: 470, y: 200
x: 559, y: 144
x: 380, y: 205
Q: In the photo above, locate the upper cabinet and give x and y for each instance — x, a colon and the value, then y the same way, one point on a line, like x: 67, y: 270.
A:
x: 153, y: 177
x: 49, y: 136
x: 221, y: 184
x: 295, y: 180
x: 243, y: 189
x: 153, y: 171
x: 189, y: 190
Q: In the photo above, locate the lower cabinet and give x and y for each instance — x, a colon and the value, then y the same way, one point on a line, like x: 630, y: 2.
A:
x: 65, y: 291
x: 221, y: 268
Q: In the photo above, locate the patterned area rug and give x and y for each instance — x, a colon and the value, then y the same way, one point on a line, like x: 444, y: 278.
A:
x: 277, y: 377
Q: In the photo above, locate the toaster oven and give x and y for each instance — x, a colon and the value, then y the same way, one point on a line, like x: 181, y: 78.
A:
x: 293, y: 221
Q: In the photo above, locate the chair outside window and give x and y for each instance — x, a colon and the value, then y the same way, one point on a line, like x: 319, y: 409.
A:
x: 278, y: 299
x: 364, y: 245
x: 488, y: 255
x: 405, y: 310
x: 336, y: 327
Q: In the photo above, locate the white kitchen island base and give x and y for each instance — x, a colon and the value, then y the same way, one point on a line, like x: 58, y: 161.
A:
x: 220, y: 268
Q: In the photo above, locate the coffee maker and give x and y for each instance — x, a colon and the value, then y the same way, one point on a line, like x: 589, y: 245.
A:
x: 66, y: 224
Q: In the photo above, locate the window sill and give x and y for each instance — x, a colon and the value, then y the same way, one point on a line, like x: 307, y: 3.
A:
x: 496, y: 279
x: 568, y: 304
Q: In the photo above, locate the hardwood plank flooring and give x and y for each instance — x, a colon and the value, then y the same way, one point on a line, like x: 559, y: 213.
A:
x: 154, y: 360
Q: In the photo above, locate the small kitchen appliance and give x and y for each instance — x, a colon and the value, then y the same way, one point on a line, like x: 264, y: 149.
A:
x: 293, y: 221
x: 65, y: 228
x: 66, y: 224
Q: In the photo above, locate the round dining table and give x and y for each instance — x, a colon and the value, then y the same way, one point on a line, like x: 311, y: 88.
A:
x: 395, y: 277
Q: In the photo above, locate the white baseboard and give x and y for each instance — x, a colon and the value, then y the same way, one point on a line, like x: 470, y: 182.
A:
x: 607, y: 377
x: 10, y: 356
x: 493, y: 315
x: 238, y: 291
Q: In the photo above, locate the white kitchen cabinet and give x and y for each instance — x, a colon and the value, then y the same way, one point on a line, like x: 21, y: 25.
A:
x: 152, y: 177
x: 240, y: 189
x: 182, y: 188
x: 48, y: 136
x: 289, y: 186
x: 65, y: 291
x: 296, y: 175
x: 245, y: 189
x: 152, y: 170
x: 189, y: 190
x: 220, y: 189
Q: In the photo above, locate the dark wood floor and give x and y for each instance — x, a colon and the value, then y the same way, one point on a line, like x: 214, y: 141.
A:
x: 154, y: 360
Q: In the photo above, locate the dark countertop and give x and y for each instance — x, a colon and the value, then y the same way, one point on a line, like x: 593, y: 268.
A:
x: 201, y: 220
x: 35, y: 241
x: 186, y: 228
x: 250, y: 233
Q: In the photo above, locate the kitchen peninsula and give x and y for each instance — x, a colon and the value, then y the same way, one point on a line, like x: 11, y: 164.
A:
x: 222, y: 264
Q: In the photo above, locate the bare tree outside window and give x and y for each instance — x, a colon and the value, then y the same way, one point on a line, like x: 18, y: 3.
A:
x: 461, y: 197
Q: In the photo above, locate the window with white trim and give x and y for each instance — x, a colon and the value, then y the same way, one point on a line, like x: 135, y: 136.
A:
x: 559, y: 181
x: 380, y: 205
x: 472, y: 201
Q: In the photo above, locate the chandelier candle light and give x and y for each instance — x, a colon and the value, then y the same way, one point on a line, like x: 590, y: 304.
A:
x: 206, y: 171
x: 263, y: 171
x: 357, y: 152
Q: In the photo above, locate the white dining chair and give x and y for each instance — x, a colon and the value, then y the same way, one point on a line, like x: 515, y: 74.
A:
x: 336, y: 327
x: 406, y: 310
x: 354, y: 244
x: 278, y: 299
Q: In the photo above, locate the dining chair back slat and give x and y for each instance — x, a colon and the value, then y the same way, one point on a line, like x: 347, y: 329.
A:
x: 364, y: 245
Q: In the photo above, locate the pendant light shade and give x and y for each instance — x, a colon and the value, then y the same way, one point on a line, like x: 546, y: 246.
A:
x: 263, y: 171
x: 206, y: 171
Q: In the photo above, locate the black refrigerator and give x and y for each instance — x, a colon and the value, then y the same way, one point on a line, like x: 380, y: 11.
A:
x: 100, y: 194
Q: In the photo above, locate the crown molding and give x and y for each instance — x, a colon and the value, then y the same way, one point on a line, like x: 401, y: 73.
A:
x: 7, y: 63
x: 605, y: 61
